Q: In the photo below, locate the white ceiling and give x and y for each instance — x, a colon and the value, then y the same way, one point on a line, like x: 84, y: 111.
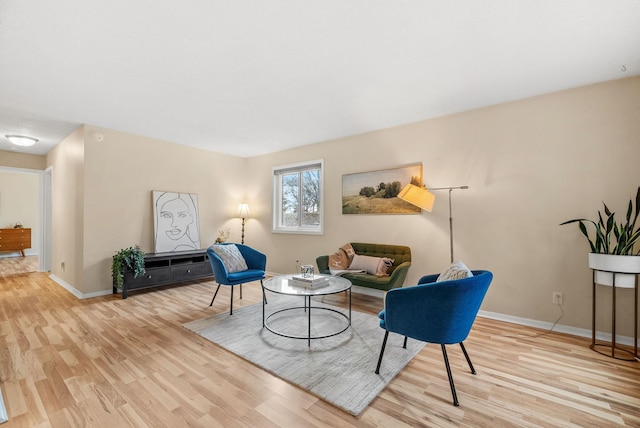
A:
x: 248, y: 77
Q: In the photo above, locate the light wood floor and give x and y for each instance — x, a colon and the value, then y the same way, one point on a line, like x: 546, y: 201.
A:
x: 108, y: 362
x: 19, y: 264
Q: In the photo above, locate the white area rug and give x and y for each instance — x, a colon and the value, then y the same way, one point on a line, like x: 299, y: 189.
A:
x: 338, y: 369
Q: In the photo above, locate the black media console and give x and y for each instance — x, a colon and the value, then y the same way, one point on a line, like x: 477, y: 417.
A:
x: 168, y: 268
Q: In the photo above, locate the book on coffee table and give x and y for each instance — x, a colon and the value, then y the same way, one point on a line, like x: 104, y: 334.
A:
x: 309, y: 281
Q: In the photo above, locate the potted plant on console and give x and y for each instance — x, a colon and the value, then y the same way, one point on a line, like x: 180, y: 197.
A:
x: 133, y: 258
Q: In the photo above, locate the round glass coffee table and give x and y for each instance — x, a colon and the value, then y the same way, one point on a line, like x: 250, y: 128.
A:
x: 284, y: 285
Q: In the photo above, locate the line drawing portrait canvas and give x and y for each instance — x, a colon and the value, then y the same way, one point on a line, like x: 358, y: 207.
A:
x: 375, y: 192
x: 175, y: 221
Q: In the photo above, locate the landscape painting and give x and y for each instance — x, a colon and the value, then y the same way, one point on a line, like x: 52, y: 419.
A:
x: 376, y: 192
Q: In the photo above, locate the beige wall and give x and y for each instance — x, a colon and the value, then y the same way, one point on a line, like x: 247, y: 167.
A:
x: 67, y: 217
x: 122, y: 170
x: 529, y: 165
x: 22, y: 160
x: 19, y: 202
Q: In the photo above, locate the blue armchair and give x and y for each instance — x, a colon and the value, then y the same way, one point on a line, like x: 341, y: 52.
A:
x: 256, y: 264
x: 435, y: 312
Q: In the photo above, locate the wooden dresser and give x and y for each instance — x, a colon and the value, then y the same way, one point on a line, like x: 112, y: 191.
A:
x: 15, y: 239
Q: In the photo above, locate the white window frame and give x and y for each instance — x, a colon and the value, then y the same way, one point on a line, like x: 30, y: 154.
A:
x: 276, y: 224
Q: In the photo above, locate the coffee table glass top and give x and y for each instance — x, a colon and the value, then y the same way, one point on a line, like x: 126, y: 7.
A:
x: 283, y: 285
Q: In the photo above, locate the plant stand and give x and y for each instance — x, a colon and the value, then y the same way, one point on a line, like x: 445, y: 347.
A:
x: 612, y: 345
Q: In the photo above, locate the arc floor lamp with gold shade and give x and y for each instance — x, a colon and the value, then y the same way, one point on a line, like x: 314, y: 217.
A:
x: 423, y: 198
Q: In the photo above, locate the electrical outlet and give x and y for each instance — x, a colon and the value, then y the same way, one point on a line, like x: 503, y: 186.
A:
x: 558, y: 297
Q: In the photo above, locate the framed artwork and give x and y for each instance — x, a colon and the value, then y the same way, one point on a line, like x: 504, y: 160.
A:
x: 175, y: 221
x: 375, y: 192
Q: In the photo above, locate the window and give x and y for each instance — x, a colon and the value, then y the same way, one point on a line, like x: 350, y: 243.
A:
x: 297, y: 198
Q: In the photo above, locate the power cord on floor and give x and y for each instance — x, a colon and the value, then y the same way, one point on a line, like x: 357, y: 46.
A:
x: 520, y: 336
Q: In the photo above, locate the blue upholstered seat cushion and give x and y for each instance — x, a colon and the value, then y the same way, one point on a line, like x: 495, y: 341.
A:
x: 231, y: 257
x: 246, y: 276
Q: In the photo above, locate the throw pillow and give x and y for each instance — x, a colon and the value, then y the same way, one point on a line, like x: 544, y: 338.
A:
x: 373, y: 265
x: 341, y: 259
x: 457, y: 270
x: 338, y: 260
x: 231, y: 257
x: 349, y: 251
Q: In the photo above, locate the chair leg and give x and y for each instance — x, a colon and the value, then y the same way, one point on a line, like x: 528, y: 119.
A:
x: 453, y: 387
x: 240, y: 291
x: 214, y: 295
x: 404, y: 345
x: 384, y: 343
x: 464, y: 351
x: 231, y: 310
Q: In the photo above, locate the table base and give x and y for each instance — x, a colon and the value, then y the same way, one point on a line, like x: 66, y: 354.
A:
x: 307, y: 308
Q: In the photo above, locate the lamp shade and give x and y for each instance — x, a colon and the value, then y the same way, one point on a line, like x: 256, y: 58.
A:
x: 22, y: 141
x: 243, y: 211
x: 418, y: 196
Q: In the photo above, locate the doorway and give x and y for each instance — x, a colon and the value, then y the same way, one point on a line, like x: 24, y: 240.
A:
x: 12, y: 210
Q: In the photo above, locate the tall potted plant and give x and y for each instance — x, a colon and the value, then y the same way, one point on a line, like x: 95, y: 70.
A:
x: 612, y: 247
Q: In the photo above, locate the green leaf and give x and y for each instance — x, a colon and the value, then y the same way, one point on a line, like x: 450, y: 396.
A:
x: 600, y: 221
x: 628, y: 247
x: 583, y: 229
x: 621, y: 237
x: 573, y: 221
x: 633, y: 224
x: 618, y: 232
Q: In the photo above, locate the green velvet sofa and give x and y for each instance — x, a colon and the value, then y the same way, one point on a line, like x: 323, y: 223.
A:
x: 397, y: 272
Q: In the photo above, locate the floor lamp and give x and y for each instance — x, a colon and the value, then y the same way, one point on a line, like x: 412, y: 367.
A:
x: 423, y: 198
x: 243, y: 213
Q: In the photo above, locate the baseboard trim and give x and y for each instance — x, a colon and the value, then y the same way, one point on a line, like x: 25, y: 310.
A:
x: 77, y: 293
x: 559, y: 328
x: 544, y: 325
x: 367, y: 291
x: 13, y: 254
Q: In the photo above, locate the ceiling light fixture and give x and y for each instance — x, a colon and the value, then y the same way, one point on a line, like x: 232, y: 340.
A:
x: 20, y: 140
